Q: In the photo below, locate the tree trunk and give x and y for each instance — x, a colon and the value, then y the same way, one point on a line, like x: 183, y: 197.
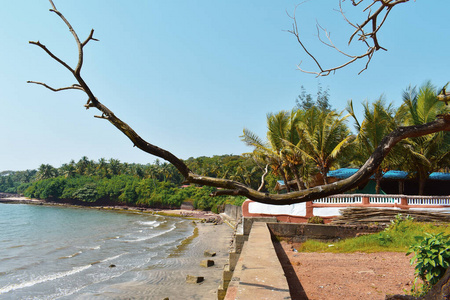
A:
x: 231, y: 187
x: 286, y: 183
x: 422, y: 180
x: 378, y: 176
x: 297, y: 178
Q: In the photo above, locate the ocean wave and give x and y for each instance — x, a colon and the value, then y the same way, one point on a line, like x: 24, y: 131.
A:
x: 42, y: 279
x: 72, y: 255
x: 113, y: 257
x: 145, y: 238
x: 149, y: 223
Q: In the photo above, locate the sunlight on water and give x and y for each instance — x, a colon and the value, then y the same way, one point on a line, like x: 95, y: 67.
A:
x: 49, y: 252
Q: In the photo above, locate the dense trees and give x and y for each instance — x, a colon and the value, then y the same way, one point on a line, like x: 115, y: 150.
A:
x: 234, y: 187
x: 430, y: 153
x: 300, y: 144
x: 113, y: 182
x: 379, y: 120
x: 312, y: 138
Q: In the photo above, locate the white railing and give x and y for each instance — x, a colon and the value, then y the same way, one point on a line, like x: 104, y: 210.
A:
x: 382, y: 199
x: 418, y: 200
x: 340, y: 199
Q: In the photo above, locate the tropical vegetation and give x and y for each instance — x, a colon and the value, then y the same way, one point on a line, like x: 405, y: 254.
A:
x: 300, y: 148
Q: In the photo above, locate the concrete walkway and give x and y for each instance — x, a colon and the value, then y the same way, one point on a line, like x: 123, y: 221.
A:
x: 258, y: 273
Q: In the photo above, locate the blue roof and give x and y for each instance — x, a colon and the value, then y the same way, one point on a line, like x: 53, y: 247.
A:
x: 392, y: 174
x: 439, y: 176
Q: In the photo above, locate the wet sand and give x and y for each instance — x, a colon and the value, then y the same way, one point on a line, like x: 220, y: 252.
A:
x: 169, y: 280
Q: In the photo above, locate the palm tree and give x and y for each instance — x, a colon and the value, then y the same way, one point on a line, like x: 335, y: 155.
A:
x: 265, y: 153
x: 322, y: 137
x: 102, y: 167
x: 277, y: 151
x: 46, y: 171
x: 68, y: 170
x: 379, y: 120
x: 114, y: 167
x: 82, y: 165
x: 428, y: 153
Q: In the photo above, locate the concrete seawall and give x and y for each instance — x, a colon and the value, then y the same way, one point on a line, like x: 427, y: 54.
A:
x: 253, y: 267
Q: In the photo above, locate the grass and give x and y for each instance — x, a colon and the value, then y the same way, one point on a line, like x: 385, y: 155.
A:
x: 396, y: 238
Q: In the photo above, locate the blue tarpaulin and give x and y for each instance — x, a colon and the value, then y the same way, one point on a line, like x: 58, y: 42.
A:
x: 392, y: 174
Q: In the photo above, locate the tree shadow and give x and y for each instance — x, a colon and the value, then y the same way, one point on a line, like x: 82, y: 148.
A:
x: 295, y: 287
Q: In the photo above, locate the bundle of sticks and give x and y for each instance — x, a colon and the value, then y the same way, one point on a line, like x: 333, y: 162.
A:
x: 361, y: 215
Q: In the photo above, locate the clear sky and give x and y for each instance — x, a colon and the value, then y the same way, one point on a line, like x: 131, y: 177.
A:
x: 188, y: 76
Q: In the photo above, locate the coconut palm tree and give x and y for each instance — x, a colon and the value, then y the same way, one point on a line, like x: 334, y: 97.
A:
x: 68, y: 170
x: 279, y: 151
x: 428, y: 153
x: 379, y: 120
x: 115, y: 167
x: 322, y: 137
x: 102, y: 167
x: 46, y: 171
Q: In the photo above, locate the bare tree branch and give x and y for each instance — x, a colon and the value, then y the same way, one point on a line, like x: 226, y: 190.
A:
x: 73, y: 87
x: 237, y: 188
x: 266, y: 170
x: 52, y: 55
x: 366, y: 31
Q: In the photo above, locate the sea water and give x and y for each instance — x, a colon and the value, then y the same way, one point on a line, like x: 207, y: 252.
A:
x: 50, y: 252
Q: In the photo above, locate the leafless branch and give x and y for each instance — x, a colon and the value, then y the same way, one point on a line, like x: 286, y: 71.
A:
x: 237, y: 188
x: 52, y: 55
x: 73, y: 87
x: 266, y: 170
x: 366, y: 31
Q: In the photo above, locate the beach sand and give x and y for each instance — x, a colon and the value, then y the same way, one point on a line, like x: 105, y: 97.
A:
x: 169, y: 280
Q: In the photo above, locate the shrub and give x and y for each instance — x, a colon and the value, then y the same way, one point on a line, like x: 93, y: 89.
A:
x: 432, y: 257
x: 316, y: 220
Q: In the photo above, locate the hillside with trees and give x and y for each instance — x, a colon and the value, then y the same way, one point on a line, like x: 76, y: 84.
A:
x: 301, y: 145
x: 111, y: 182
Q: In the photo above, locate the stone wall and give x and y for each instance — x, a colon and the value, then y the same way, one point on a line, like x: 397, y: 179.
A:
x: 233, y: 212
x: 297, y: 233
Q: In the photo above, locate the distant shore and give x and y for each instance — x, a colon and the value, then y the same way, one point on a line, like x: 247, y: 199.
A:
x: 184, y: 260
x: 207, y: 216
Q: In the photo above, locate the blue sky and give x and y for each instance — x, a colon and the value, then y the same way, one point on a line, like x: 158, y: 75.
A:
x: 188, y: 76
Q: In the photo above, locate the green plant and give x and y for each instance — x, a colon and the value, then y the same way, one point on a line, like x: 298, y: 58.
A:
x: 400, y: 223
x: 384, y: 239
x: 316, y: 220
x: 432, y: 257
x: 401, y: 238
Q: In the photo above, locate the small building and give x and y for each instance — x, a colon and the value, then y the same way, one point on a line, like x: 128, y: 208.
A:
x: 394, y: 182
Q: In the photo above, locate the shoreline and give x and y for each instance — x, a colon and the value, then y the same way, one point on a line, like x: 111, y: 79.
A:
x: 206, y: 216
x: 182, y: 260
x: 187, y: 260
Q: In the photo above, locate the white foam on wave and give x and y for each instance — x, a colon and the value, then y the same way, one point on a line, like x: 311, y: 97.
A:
x: 113, y: 257
x: 149, y: 223
x: 42, y: 279
x: 142, y: 239
x: 72, y: 255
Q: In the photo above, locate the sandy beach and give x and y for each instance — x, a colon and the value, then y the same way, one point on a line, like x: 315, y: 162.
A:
x: 169, y: 279
x: 181, y: 262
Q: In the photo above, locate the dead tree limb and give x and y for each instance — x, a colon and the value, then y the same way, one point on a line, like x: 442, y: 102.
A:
x: 233, y: 187
x: 366, y: 31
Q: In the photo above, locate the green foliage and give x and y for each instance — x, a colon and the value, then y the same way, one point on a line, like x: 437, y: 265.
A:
x: 87, y: 193
x: 10, y: 181
x: 316, y: 220
x: 396, y: 238
x: 432, y: 256
x: 305, y: 101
